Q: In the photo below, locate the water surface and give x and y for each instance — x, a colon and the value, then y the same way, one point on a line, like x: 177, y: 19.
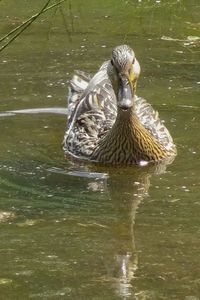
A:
x: 75, y: 231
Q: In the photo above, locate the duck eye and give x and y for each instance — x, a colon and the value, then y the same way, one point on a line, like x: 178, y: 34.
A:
x: 133, y: 61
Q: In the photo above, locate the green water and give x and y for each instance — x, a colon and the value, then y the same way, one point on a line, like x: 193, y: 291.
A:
x: 75, y: 231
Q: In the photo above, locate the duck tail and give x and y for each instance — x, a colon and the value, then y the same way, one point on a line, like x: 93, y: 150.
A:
x: 77, y: 86
x: 79, y: 82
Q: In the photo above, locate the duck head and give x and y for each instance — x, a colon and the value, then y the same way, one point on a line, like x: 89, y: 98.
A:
x: 123, y: 71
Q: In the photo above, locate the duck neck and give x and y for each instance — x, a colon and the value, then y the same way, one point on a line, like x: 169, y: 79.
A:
x: 125, y: 116
x: 126, y: 125
x: 128, y: 141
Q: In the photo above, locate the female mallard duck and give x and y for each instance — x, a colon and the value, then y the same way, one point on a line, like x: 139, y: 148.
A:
x: 107, y: 122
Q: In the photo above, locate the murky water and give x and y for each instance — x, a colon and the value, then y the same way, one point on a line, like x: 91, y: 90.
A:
x: 75, y: 231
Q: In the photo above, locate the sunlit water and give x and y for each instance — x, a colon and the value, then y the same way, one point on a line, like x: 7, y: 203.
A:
x: 76, y: 231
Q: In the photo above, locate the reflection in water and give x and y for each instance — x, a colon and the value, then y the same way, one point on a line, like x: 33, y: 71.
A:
x: 125, y: 259
x: 121, y: 261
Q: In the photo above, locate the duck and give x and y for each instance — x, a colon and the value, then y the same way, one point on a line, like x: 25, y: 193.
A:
x: 107, y: 122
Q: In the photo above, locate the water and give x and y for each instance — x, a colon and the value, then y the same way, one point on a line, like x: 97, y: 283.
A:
x: 75, y: 231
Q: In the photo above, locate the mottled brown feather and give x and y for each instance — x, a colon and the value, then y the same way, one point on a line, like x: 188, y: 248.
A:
x: 98, y: 131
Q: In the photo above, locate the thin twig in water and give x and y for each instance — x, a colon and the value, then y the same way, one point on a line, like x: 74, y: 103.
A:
x: 23, y: 26
x: 26, y: 24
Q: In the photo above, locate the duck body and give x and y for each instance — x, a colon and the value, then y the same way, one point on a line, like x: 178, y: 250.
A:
x: 108, y: 122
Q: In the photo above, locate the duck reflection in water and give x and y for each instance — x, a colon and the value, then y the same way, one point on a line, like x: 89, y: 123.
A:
x: 122, y: 260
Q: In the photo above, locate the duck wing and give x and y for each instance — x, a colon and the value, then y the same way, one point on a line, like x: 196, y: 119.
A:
x: 91, y: 97
x: 151, y: 121
x: 92, y: 111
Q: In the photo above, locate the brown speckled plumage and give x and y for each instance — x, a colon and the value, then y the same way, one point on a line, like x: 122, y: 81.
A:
x: 107, y: 122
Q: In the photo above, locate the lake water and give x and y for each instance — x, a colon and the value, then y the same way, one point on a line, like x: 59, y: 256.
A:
x: 75, y: 231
